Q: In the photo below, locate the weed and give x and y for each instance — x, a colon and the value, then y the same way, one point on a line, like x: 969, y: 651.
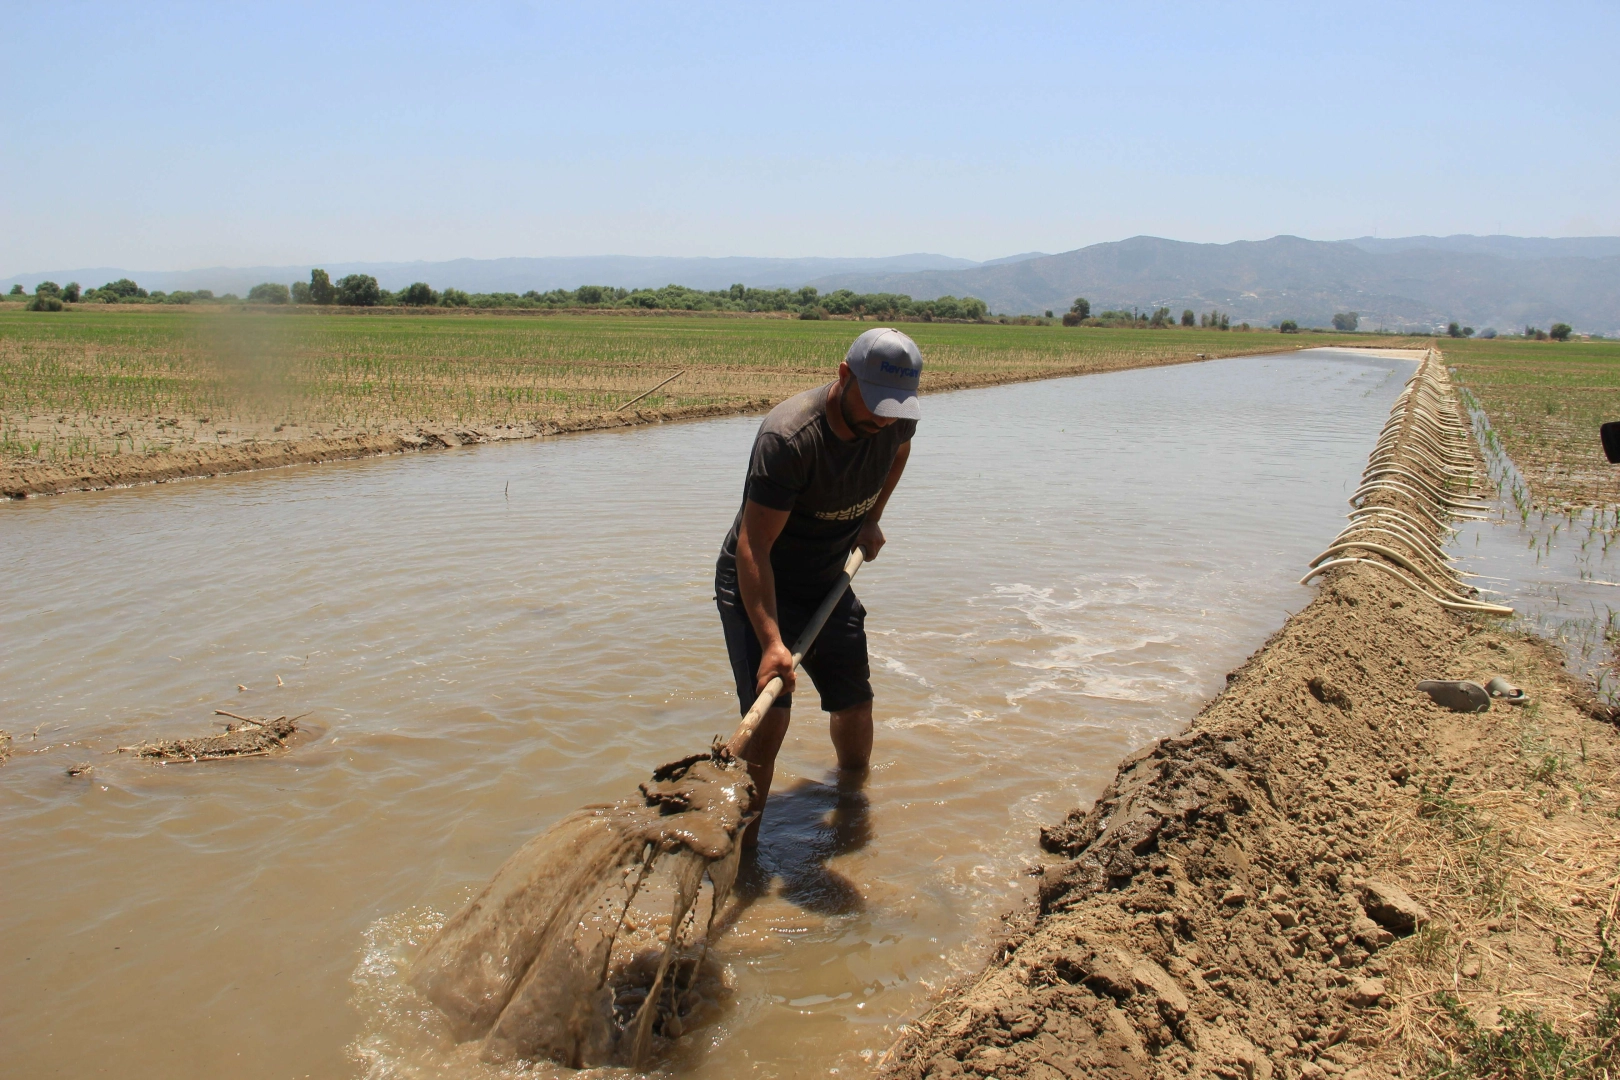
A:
x: 1548, y: 768
x: 1457, y: 816
x: 1607, y: 961
x: 1606, y: 1026
x: 1524, y: 1047
x: 1478, y: 846
x: 1429, y: 945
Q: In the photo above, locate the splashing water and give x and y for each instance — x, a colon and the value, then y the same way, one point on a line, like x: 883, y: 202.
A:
x: 538, y: 965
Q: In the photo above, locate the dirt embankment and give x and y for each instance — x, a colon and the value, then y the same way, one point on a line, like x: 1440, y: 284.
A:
x: 19, y: 480
x: 1329, y: 873
x: 1326, y: 874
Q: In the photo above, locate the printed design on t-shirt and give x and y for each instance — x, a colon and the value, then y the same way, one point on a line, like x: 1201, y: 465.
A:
x: 850, y: 513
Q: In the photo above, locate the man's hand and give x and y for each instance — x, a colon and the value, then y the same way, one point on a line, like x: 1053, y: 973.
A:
x: 870, y: 539
x: 777, y: 661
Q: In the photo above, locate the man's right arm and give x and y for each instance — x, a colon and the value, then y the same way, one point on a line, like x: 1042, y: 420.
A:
x: 756, y: 581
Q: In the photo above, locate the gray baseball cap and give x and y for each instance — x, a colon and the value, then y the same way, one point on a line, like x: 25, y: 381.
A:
x: 888, y: 366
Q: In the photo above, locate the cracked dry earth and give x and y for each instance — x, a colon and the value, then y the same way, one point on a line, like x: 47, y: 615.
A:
x: 1320, y: 875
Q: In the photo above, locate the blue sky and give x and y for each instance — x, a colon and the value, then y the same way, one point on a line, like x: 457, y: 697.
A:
x: 169, y: 136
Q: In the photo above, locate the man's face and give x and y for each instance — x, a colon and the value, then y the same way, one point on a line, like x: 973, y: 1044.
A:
x: 861, y: 420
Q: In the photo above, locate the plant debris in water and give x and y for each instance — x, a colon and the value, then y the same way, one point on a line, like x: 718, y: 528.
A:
x: 249, y: 738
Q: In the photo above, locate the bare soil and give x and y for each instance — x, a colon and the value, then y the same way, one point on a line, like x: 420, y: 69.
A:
x: 1327, y: 874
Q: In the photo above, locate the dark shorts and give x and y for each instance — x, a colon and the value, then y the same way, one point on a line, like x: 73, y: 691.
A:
x: 836, y: 663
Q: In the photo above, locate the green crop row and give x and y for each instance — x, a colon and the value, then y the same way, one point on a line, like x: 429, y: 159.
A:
x: 1546, y: 401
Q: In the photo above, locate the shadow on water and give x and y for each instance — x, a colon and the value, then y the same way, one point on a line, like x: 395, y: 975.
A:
x: 806, y: 827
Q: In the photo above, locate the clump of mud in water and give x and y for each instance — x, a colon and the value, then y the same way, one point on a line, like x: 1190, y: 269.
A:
x: 530, y: 966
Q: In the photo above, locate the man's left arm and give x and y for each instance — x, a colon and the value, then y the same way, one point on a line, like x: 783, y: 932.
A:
x: 870, y: 538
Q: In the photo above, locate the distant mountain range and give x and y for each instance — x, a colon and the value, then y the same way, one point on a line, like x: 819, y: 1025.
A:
x: 1414, y: 282
x: 520, y: 275
x: 1508, y: 247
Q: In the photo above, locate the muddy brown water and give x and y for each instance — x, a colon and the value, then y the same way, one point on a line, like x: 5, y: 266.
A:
x: 487, y: 639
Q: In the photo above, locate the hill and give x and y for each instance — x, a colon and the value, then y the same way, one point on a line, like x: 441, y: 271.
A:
x: 1410, y: 283
x: 517, y: 275
x: 1509, y: 247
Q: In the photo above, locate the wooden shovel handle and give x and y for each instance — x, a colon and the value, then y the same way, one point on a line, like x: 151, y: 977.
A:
x: 767, y: 697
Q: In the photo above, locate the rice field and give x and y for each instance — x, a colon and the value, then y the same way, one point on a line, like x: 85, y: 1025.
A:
x: 1546, y: 401
x: 93, y: 382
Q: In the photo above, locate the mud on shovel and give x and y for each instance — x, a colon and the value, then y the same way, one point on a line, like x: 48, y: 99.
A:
x: 513, y: 969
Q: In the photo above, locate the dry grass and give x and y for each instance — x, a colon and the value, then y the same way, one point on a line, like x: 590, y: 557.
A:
x: 1517, y: 852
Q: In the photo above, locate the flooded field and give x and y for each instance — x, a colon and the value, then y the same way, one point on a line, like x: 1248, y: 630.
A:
x: 1556, y: 566
x: 485, y: 639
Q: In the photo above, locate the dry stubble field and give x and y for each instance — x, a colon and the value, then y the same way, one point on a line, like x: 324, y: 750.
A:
x: 96, y: 396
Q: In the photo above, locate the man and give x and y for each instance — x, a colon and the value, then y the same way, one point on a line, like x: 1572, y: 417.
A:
x: 823, y: 467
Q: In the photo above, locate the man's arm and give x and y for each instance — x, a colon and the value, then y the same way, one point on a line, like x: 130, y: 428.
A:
x: 870, y: 538
x: 756, y: 581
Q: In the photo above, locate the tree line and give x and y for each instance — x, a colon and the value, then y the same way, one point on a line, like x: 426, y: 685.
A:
x: 1080, y: 314
x: 49, y: 296
x: 362, y: 290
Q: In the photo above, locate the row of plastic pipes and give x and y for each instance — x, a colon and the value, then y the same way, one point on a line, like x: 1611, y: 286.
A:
x: 1399, y: 513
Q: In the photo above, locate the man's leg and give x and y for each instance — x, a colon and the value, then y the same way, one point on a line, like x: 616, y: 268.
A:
x: 839, y: 667
x: 851, y: 730
x: 762, y: 764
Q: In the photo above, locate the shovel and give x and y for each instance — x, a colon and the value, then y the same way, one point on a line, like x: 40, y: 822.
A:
x: 738, y: 745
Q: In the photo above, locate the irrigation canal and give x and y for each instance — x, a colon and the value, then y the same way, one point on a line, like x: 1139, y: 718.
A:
x: 488, y: 638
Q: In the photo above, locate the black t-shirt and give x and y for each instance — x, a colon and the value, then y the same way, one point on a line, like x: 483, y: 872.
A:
x: 798, y: 464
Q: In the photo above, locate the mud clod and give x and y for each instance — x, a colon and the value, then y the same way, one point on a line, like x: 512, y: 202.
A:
x: 1328, y: 693
x: 1365, y: 993
x: 1389, y: 906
